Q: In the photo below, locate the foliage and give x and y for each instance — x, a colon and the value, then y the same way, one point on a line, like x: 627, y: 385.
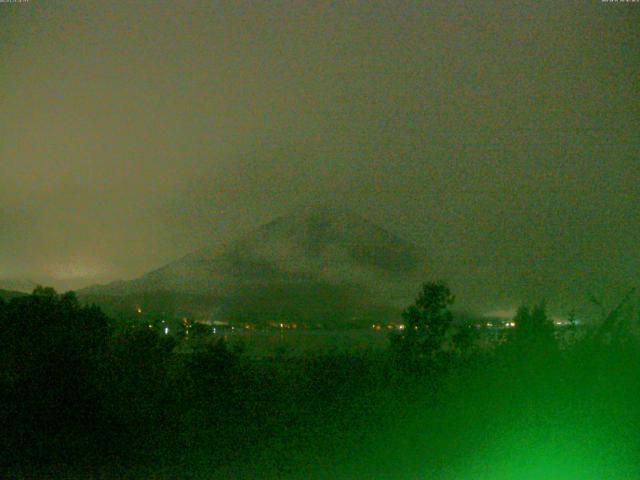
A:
x: 426, y: 323
x: 73, y: 391
x: 51, y: 349
x: 531, y: 344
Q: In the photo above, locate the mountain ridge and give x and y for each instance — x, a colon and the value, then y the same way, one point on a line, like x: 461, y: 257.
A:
x: 7, y: 295
x: 321, y: 251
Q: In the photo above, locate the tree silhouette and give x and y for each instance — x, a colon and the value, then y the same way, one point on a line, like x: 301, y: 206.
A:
x: 533, y: 339
x: 426, y: 323
x: 51, y: 352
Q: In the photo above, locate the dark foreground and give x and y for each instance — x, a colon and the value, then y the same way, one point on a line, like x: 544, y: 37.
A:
x: 80, y: 401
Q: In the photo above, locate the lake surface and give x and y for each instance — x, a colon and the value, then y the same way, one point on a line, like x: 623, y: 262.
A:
x: 261, y: 343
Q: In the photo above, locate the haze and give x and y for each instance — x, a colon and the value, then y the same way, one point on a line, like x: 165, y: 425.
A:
x: 503, y: 138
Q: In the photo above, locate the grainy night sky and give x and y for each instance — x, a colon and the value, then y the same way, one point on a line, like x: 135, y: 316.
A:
x: 504, y: 137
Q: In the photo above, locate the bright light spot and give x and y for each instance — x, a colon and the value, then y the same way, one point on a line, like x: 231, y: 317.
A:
x: 166, y: 330
x: 139, y: 310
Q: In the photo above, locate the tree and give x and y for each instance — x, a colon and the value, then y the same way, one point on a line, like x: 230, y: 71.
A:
x: 426, y: 322
x: 533, y: 323
x: 51, y: 351
x: 533, y: 336
x: 463, y: 339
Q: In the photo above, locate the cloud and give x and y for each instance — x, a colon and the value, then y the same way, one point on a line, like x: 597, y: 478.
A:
x: 500, y: 137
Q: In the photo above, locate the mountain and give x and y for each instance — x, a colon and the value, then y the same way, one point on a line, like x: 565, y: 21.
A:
x: 7, y: 295
x: 17, y: 285
x: 314, y: 263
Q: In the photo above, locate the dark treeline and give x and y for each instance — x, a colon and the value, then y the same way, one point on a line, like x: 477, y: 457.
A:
x: 82, y: 397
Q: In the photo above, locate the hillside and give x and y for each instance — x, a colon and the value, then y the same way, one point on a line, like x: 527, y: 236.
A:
x: 7, y: 295
x: 317, y: 263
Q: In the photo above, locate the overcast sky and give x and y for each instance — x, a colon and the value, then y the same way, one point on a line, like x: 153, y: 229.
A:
x: 502, y: 136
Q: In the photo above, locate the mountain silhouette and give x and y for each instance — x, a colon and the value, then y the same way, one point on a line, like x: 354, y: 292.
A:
x: 320, y: 261
x: 7, y: 295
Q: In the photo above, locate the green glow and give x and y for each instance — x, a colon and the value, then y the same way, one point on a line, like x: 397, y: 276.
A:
x: 570, y: 453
